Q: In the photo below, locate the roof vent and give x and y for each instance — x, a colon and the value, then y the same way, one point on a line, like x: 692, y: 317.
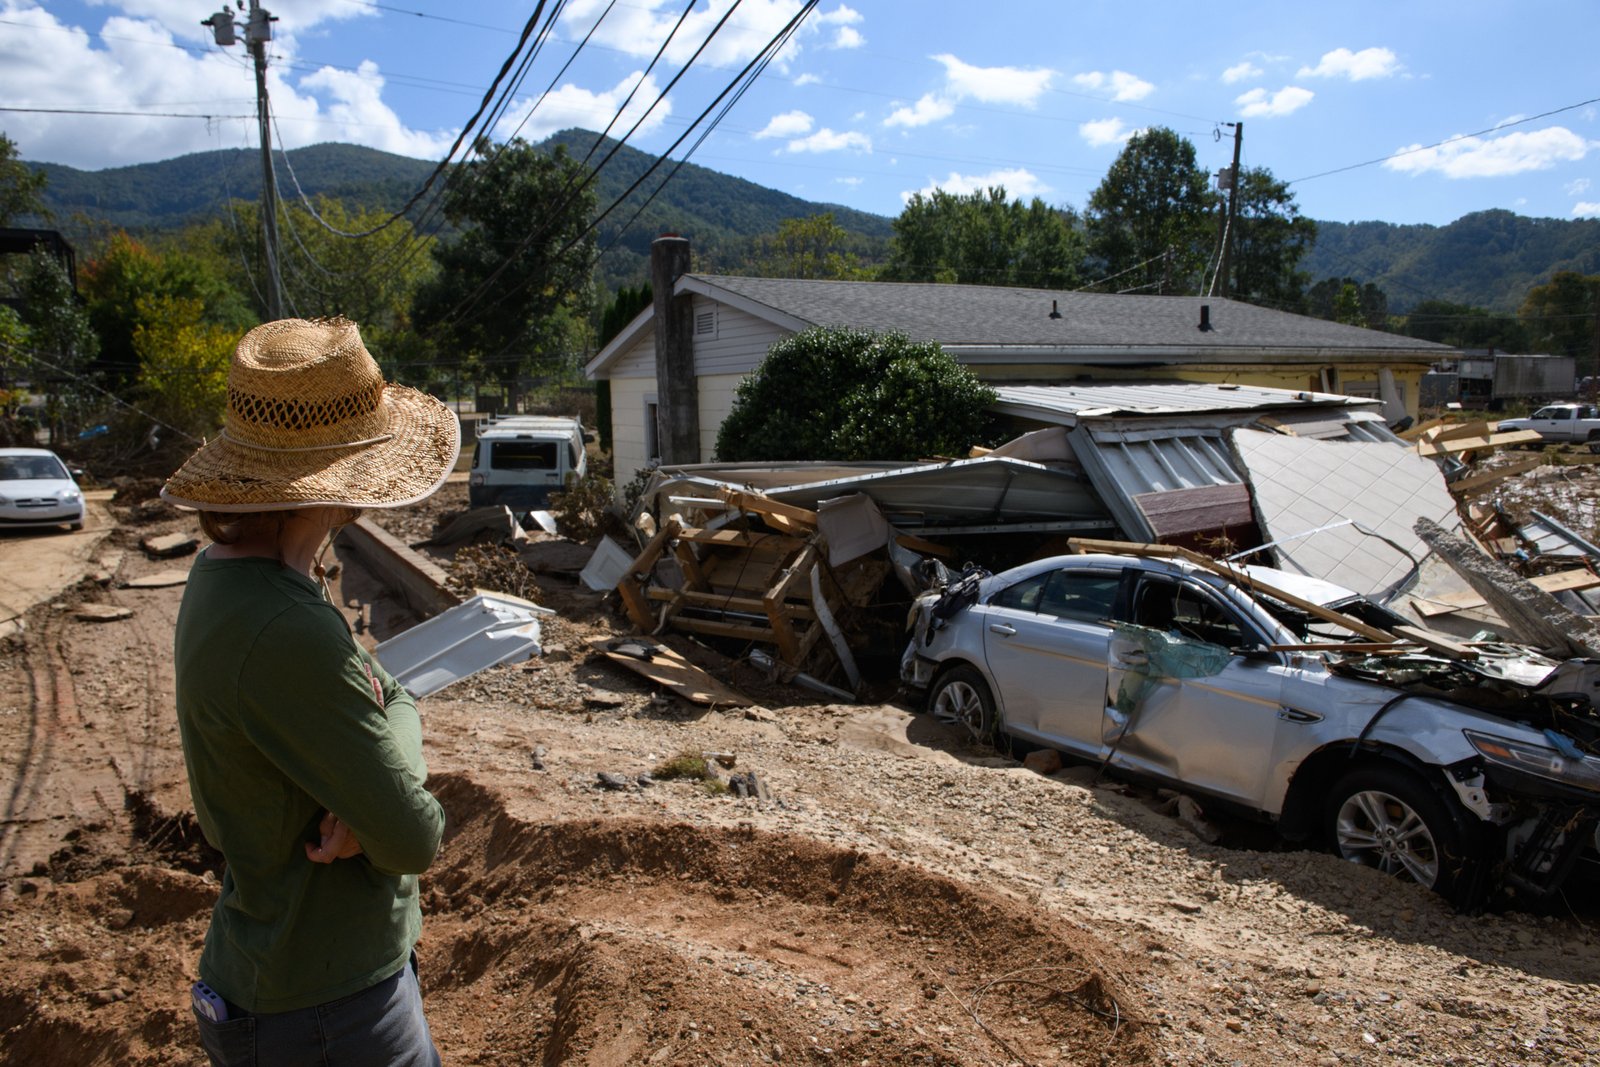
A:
x: 1054, y: 314
x: 1205, y: 317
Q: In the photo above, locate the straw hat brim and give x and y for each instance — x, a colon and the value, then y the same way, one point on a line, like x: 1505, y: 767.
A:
x: 425, y: 439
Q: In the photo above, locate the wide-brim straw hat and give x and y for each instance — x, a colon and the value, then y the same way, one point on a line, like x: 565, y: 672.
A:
x: 310, y: 422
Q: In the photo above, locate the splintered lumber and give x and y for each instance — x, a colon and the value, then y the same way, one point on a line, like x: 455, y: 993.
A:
x: 630, y: 588
x: 767, y: 508
x: 1422, y: 429
x: 1476, y: 428
x: 1473, y: 482
x: 1555, y: 582
x: 1237, y: 576
x: 1429, y: 449
x: 1345, y: 646
x: 1436, y: 642
x: 1532, y: 614
x: 667, y: 668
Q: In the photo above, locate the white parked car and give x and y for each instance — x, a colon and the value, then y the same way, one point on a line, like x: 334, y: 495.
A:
x: 1457, y: 774
x: 37, y: 490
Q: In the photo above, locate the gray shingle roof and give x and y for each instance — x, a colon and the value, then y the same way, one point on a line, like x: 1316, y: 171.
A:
x: 982, y: 315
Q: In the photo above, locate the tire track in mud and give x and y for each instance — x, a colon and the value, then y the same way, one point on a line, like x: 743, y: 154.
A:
x: 51, y: 711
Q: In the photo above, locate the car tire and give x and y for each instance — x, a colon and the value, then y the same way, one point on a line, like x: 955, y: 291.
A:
x: 75, y: 526
x: 1388, y: 818
x: 962, y: 697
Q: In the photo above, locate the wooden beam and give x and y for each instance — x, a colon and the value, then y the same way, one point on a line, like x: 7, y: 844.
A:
x: 1085, y: 545
x: 766, y: 507
x: 1474, y: 482
x: 1476, y: 428
x: 1428, y: 449
x: 1555, y: 582
x: 727, y: 603
x: 738, y: 538
x: 630, y: 588
x: 1422, y: 428
x: 1436, y: 642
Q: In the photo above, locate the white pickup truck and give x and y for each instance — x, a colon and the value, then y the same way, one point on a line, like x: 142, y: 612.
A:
x: 1562, y: 422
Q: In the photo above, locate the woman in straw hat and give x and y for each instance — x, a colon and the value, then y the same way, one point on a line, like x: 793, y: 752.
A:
x: 304, y: 756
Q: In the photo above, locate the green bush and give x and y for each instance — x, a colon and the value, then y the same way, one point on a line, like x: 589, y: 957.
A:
x: 833, y: 393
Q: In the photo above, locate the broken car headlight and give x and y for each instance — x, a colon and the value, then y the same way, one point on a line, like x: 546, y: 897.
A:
x: 1540, y: 760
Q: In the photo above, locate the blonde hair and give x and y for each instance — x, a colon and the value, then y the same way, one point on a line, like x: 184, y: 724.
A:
x: 227, y: 528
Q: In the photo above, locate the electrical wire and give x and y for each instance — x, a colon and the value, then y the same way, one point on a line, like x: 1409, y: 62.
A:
x: 137, y: 114
x: 35, y: 357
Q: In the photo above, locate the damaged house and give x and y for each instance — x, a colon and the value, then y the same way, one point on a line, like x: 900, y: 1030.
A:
x: 673, y: 370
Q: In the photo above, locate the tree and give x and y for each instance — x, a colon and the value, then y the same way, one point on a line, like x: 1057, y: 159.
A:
x: 1331, y: 297
x: 845, y: 394
x: 62, y: 344
x: 1270, y: 237
x: 1150, y: 221
x: 513, y: 288
x: 984, y: 238
x: 1563, y: 314
x: 1464, y: 326
x: 21, y: 187
x: 127, y: 271
x: 183, y: 362
x: 810, y: 247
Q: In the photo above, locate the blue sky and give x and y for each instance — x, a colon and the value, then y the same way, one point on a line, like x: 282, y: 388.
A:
x: 873, y: 100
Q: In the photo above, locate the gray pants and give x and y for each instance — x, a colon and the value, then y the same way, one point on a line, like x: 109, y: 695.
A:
x: 381, y: 1026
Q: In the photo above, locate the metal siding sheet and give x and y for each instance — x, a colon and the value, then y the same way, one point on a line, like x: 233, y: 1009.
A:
x: 1163, y: 399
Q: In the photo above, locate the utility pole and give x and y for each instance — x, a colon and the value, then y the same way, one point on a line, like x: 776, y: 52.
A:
x: 1224, y: 272
x: 257, y: 32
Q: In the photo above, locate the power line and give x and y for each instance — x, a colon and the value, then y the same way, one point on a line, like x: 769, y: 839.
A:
x: 137, y: 114
x: 33, y: 356
x: 1448, y: 140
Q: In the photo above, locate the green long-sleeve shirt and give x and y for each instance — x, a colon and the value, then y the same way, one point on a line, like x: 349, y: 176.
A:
x: 281, y: 720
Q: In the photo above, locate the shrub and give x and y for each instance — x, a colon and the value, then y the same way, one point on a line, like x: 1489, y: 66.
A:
x: 833, y: 393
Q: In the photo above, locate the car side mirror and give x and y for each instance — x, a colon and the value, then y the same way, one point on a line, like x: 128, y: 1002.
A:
x: 78, y: 473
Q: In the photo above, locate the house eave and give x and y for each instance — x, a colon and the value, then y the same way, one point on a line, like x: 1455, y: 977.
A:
x: 1126, y: 355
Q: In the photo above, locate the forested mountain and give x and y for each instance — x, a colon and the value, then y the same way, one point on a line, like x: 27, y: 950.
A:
x: 1487, y: 259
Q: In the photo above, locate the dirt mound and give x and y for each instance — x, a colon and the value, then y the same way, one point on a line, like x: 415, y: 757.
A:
x: 599, y: 941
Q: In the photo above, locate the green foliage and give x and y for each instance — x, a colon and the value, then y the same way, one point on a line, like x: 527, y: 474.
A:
x: 1270, y: 238
x: 1153, y: 216
x: 982, y: 238
x: 1464, y: 326
x: 833, y: 393
x: 1347, y: 300
x: 1562, y: 315
x: 513, y: 285
x: 62, y: 344
x: 1487, y: 259
x: 811, y: 247
x: 127, y: 271
x: 183, y: 362
x: 21, y: 188
x: 683, y: 765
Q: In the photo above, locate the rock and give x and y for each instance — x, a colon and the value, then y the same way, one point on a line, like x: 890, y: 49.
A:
x: 725, y: 759
x: 169, y: 546
x: 645, y: 781
x: 557, y: 653
x: 608, y: 780
x: 759, y: 714
x: 1188, y: 907
x: 158, y: 580
x: 1043, y: 761
x: 1190, y: 815
x: 604, y: 698
x: 102, y: 612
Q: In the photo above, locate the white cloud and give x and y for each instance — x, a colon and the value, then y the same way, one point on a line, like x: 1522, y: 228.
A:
x: 1101, y: 132
x: 788, y: 124
x: 1494, y: 157
x: 826, y: 140
x: 571, y: 105
x: 1258, y: 103
x: 1357, y: 66
x: 853, y: 180
x: 1585, y: 209
x: 804, y: 80
x: 1240, y: 71
x: 928, y: 109
x: 1017, y: 181
x: 137, y: 64
x: 994, y: 85
x: 1577, y: 187
x: 638, y: 28
x: 1124, y: 87
x: 848, y: 37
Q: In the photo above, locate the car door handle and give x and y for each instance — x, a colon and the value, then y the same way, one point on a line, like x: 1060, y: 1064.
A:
x: 1134, y: 659
x: 1002, y: 628
x: 1296, y: 715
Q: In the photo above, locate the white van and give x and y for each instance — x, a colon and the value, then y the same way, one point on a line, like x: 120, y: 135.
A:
x: 520, y: 460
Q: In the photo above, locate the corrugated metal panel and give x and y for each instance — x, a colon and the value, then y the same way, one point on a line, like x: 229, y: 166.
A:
x: 1184, y: 398
x: 1124, y: 465
x: 1551, y: 538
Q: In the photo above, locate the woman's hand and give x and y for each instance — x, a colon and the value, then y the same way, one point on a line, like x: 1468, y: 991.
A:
x: 338, y: 843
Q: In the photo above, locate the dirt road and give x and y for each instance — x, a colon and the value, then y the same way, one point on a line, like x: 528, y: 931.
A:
x: 35, y: 565
x: 901, y: 899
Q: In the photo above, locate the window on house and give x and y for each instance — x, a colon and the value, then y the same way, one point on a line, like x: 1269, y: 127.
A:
x: 652, y: 433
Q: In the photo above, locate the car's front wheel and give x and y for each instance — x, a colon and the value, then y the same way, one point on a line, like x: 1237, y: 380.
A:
x: 1389, y: 819
x: 961, y: 696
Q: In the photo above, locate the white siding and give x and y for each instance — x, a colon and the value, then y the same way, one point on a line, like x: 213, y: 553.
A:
x: 629, y: 397
x: 716, y: 400
x: 739, y: 343
x: 639, y: 361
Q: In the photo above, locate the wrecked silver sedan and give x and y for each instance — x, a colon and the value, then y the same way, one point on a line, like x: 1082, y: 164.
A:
x: 1466, y: 770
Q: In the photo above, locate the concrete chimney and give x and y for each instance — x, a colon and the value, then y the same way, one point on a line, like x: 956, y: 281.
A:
x: 677, y: 391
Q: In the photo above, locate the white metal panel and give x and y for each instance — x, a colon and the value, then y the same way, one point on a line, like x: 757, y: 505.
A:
x: 489, y: 629
x: 1175, y: 398
x: 1302, y: 485
x: 628, y: 435
x: 638, y: 360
